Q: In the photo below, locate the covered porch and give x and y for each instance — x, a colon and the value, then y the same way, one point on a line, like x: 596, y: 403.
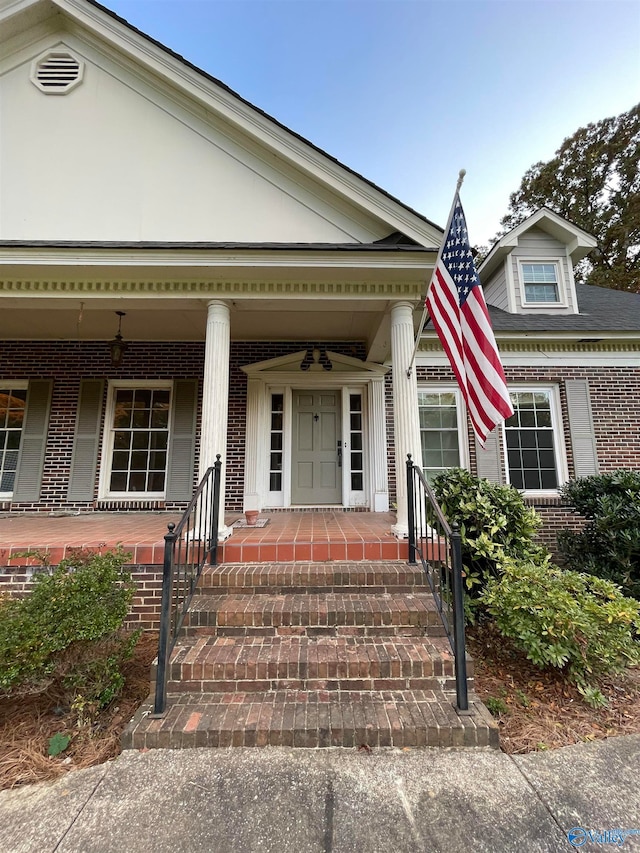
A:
x: 278, y: 537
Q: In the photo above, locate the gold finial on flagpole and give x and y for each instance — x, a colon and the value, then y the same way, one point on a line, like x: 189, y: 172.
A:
x: 461, y: 175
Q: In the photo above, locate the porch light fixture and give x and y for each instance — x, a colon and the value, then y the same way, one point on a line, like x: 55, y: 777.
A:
x: 117, y: 347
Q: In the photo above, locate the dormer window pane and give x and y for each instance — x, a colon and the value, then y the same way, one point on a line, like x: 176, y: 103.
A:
x: 540, y: 282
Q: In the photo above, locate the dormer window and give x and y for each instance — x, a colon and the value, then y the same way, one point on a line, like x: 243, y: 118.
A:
x: 541, y: 283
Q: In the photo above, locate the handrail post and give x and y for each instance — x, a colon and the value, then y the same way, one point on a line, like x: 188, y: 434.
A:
x: 411, y: 511
x: 160, y: 701
x: 215, y: 510
x: 458, y: 621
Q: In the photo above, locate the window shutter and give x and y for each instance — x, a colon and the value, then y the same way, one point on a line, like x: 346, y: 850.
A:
x: 34, y: 439
x: 488, y: 458
x: 182, y: 442
x: 86, y: 438
x: 583, y: 440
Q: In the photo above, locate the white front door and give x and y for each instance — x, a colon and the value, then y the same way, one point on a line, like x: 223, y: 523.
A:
x: 316, y: 455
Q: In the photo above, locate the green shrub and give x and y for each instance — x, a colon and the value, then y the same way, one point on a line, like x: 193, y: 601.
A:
x: 495, y: 524
x: 68, y: 629
x: 575, y: 622
x: 609, y: 545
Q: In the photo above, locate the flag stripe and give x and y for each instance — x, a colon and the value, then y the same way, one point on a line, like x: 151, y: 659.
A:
x: 456, y: 304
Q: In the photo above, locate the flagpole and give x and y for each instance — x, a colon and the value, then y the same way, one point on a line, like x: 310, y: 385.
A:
x: 424, y: 319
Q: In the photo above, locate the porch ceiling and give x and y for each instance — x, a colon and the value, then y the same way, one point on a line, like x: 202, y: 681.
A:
x: 185, y: 320
x: 297, y: 295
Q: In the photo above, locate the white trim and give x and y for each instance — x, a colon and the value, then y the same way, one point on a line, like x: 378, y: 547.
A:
x: 349, y: 375
x: 560, y: 450
x: 357, y: 497
x: 107, y: 443
x: 562, y: 301
x: 512, y: 300
x: 59, y: 50
x: 461, y: 416
x: 14, y: 384
x: 580, y: 243
x: 170, y: 72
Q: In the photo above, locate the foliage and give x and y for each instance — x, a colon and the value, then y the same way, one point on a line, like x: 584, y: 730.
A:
x: 495, y: 524
x: 575, y: 622
x: 609, y: 545
x: 594, y: 181
x: 496, y: 706
x: 68, y: 630
x: 58, y: 743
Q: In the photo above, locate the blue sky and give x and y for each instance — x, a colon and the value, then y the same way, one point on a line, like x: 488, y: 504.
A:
x: 408, y: 92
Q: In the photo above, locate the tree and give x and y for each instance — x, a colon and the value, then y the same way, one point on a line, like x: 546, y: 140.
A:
x: 593, y: 181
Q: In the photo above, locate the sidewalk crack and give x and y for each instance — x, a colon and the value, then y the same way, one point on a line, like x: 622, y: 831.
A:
x: 84, y: 805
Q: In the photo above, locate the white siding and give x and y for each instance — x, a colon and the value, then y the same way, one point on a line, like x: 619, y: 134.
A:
x: 536, y: 245
x: 118, y: 159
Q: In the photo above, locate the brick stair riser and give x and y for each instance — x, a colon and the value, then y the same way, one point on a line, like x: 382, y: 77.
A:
x: 257, y: 686
x: 208, y: 630
x: 280, y: 579
x: 275, y: 589
x: 270, y: 616
x: 388, y: 719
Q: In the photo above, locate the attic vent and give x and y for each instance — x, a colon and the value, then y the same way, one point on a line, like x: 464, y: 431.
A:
x: 56, y: 72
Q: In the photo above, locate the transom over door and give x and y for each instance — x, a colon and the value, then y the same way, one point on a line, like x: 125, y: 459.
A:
x: 316, y: 458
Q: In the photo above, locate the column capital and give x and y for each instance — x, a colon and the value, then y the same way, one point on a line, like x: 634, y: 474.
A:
x: 218, y: 306
x: 403, y: 303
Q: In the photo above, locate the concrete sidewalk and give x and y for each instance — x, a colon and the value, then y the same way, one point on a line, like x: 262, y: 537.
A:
x: 303, y: 801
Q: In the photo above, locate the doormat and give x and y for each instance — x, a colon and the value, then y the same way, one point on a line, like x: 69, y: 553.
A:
x: 260, y: 522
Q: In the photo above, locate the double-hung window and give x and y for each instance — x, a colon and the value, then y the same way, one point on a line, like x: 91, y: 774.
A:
x: 13, y: 400
x: 442, y: 430
x: 137, y: 440
x: 533, y: 441
x: 541, y: 283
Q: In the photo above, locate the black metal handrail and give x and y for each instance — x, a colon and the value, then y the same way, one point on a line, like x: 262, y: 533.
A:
x: 438, y: 545
x: 187, y: 547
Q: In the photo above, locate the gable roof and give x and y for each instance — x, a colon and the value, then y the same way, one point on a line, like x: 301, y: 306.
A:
x: 601, y: 310
x: 225, y: 104
x: 578, y: 241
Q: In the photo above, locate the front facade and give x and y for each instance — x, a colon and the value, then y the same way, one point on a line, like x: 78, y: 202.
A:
x: 268, y: 298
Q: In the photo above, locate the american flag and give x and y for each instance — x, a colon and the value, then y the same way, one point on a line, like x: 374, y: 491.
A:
x: 455, y: 302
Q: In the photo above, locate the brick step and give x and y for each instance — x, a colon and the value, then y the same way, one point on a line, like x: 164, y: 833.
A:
x: 404, y: 718
x: 312, y: 614
x: 278, y: 578
x: 245, y: 664
x: 274, y: 547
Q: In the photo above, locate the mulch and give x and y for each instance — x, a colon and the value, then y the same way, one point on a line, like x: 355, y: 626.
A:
x: 539, y: 709
x: 28, y: 722
x: 536, y: 709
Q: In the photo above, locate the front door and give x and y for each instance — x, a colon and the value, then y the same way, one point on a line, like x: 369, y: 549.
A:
x: 316, y: 459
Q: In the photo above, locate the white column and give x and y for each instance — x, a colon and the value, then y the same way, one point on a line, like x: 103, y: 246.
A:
x: 215, y: 398
x: 405, y: 406
x: 378, y: 433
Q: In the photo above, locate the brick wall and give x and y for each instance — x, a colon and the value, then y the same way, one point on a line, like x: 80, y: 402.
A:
x: 615, y: 403
x: 69, y: 362
x: 145, y: 607
x: 615, y: 397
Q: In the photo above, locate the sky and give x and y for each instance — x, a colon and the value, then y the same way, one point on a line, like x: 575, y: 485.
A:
x: 408, y: 92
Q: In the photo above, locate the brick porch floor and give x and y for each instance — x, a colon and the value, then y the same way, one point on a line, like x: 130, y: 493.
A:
x: 287, y: 536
